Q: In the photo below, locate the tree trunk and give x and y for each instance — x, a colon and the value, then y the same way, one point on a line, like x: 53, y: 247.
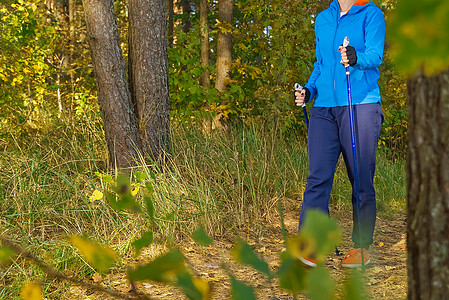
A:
x: 186, y: 11
x: 171, y: 24
x: 149, y: 72
x: 428, y: 187
x: 224, y: 45
x: 204, y: 27
x: 119, y: 120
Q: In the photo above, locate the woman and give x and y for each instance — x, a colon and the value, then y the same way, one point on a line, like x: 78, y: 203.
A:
x: 329, y: 129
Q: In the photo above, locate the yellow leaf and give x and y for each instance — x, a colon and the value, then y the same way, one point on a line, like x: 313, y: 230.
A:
x: 203, y: 287
x: 101, y: 257
x: 381, y: 244
x: 96, y: 195
x: 31, y: 291
x: 134, y: 189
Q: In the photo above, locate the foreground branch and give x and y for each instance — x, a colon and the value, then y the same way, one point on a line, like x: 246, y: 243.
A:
x: 50, y: 271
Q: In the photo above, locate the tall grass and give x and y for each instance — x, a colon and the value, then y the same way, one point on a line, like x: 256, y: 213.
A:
x: 221, y: 180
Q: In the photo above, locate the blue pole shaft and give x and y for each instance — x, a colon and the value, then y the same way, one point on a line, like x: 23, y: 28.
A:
x: 354, y: 158
x: 304, y: 110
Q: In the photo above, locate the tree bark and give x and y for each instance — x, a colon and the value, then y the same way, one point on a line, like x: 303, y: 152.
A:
x: 428, y: 187
x: 224, y: 45
x: 120, y: 124
x: 149, y: 72
x: 204, y: 27
x: 186, y: 11
x: 171, y: 24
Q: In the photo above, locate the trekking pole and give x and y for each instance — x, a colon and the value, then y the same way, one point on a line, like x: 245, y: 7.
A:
x: 298, y: 88
x: 354, y: 152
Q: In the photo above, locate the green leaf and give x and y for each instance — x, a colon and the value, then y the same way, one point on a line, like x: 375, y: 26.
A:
x: 323, y: 230
x: 150, y: 207
x: 101, y: 257
x: 241, y: 291
x: 141, y: 176
x: 6, y: 254
x: 354, y: 287
x: 244, y: 254
x: 125, y: 199
x: 200, y: 237
x: 320, y: 284
x: 292, y: 275
x: 149, y: 187
x: 145, y: 240
x: 164, y: 268
x: 194, y: 288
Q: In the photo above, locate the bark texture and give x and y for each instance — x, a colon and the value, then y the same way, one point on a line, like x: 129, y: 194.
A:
x: 171, y: 24
x: 186, y: 11
x: 117, y: 110
x: 149, y: 72
x: 428, y: 187
x: 204, y: 27
x: 224, y: 45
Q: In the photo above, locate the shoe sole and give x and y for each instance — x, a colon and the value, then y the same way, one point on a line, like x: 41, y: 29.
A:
x: 355, y: 265
x: 306, y: 262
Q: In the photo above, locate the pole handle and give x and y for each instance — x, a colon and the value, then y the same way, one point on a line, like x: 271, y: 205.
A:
x: 346, y: 42
x: 298, y: 88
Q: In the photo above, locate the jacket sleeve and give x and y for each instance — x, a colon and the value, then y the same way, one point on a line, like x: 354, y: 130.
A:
x: 315, y: 73
x: 374, y: 42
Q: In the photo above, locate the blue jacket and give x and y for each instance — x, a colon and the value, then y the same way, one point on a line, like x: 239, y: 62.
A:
x: 365, y: 27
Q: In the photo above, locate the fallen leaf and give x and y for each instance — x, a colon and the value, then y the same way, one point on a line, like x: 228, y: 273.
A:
x: 381, y: 244
x: 372, y: 282
x: 263, y: 249
x: 391, y: 278
x: 97, y: 278
x: 377, y: 270
x: 389, y: 268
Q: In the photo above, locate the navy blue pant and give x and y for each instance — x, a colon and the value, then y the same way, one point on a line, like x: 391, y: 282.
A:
x: 330, y: 135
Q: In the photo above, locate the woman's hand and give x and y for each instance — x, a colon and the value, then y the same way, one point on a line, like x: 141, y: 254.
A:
x: 302, y: 96
x: 348, y: 55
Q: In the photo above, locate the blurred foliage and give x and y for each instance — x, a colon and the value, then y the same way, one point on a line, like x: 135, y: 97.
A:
x: 419, y: 31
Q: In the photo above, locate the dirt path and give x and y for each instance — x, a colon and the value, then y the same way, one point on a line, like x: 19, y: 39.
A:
x: 386, y: 278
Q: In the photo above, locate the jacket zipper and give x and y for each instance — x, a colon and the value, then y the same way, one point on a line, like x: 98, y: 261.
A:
x: 335, y: 57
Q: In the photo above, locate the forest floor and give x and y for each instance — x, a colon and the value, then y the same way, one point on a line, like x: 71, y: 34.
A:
x: 385, y: 278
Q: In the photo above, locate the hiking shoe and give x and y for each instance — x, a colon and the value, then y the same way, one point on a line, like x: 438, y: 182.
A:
x: 309, y: 262
x: 354, y: 258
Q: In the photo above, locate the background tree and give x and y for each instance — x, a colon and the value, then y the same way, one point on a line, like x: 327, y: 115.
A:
x: 204, y: 28
x: 148, y: 60
x: 224, y: 44
x: 118, y: 111
x: 425, y: 48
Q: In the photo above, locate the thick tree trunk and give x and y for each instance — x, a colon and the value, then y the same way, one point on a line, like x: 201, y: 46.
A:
x: 204, y: 27
x: 224, y: 46
x: 428, y: 187
x: 149, y: 73
x: 119, y: 120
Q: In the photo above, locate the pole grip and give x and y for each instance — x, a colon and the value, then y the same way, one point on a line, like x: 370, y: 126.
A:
x: 299, y: 87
